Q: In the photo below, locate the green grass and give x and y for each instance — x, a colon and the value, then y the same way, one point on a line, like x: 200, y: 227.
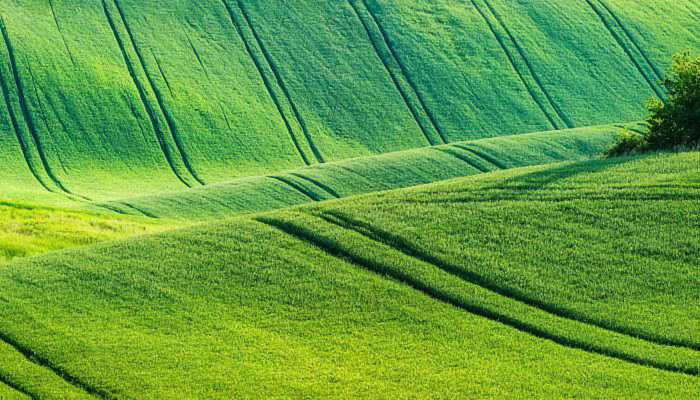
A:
x: 567, y: 280
x: 213, y: 90
x: 28, y: 229
x: 371, y: 174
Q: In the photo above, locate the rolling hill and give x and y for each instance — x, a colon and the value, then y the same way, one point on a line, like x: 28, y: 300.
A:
x: 343, y: 199
x: 117, y: 98
x: 582, y: 266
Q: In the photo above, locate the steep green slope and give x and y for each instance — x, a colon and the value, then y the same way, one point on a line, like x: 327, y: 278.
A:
x: 117, y: 98
x: 371, y: 174
x: 351, y: 298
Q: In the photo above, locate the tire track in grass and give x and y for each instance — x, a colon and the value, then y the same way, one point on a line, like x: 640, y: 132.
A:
x: 170, y: 121
x: 141, y: 90
x: 483, y: 156
x: 16, y: 387
x: 162, y: 74
x: 391, y: 64
x: 336, y: 249
x: 43, y: 362
x: 635, y: 43
x: 297, y: 187
x: 317, y: 183
x: 275, y: 72
x: 534, y: 85
x: 23, y: 142
x: 461, y: 157
x: 629, y: 50
x: 266, y: 81
x: 404, y: 246
x: 26, y: 113
x: 60, y: 31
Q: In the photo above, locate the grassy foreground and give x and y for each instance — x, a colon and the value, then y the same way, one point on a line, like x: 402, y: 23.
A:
x: 568, y: 280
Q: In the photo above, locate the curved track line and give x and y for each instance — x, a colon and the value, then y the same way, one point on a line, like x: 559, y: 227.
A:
x: 395, y: 79
x: 620, y: 42
x: 297, y: 187
x: 335, y: 249
x: 280, y: 82
x: 404, y: 246
x: 317, y: 183
x: 24, y: 107
x: 404, y: 72
x: 483, y: 156
x: 60, y: 31
x: 60, y: 372
x: 16, y: 387
x: 266, y: 81
x: 170, y: 121
x: 24, y: 146
x: 143, y: 96
x: 461, y: 157
x: 635, y: 43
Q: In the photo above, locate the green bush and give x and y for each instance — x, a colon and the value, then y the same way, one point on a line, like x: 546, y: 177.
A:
x: 675, y: 123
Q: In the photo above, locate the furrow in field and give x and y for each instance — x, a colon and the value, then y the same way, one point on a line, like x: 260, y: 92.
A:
x: 317, y: 183
x: 16, y: 387
x: 60, y: 31
x: 26, y: 113
x: 196, y: 55
x: 406, y: 247
x: 268, y: 83
x: 162, y: 75
x: 467, y: 160
x: 39, y: 365
x: 140, y: 88
x: 297, y: 187
x: 483, y: 156
x: 621, y: 36
x: 480, y: 303
x: 160, y: 101
x: 278, y: 76
x: 523, y: 69
x: 23, y: 142
x: 635, y: 43
x: 393, y: 67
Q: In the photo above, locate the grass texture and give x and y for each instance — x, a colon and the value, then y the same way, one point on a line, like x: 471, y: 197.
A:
x: 436, y: 291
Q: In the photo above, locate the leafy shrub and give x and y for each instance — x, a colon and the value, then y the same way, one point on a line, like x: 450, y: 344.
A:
x: 675, y: 123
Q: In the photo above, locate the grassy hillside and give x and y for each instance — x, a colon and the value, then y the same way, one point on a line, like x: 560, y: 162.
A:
x: 583, y: 266
x: 370, y: 174
x: 117, y: 98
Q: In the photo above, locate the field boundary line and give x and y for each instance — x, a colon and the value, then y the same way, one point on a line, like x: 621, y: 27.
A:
x: 333, y: 248
x: 266, y: 81
x: 412, y: 108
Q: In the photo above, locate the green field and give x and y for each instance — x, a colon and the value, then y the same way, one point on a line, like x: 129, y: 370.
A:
x: 215, y: 199
x: 583, y: 266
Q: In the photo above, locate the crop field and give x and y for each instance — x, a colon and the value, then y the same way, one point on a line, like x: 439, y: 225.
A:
x: 216, y: 199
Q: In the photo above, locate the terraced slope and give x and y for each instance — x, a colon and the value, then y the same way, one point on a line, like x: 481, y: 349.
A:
x: 582, y: 266
x: 115, y: 98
